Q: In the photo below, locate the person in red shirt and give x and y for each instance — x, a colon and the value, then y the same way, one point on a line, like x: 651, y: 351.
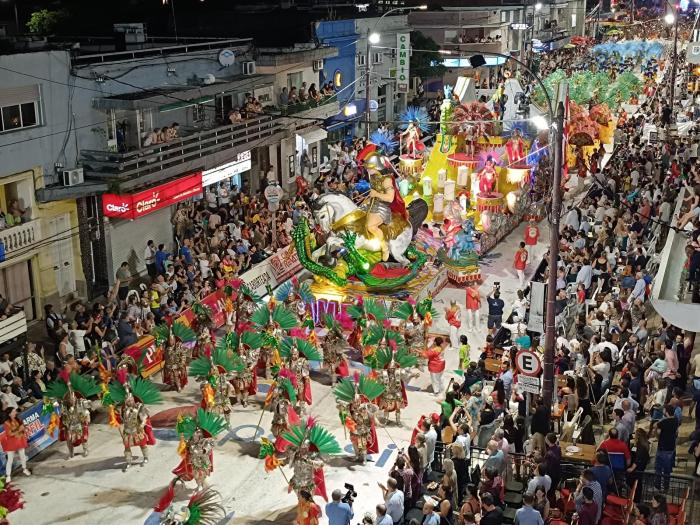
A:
x: 453, y: 316
x: 436, y: 363
x: 532, y: 235
x: 520, y: 263
x: 614, y: 444
x: 473, y: 306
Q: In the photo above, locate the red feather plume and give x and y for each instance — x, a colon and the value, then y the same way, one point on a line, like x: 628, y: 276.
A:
x: 122, y: 375
x: 167, y: 498
x: 64, y: 374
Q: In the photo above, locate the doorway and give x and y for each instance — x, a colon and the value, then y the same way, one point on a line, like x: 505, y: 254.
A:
x: 62, y: 253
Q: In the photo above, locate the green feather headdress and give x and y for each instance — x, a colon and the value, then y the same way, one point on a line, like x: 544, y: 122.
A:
x: 318, y: 437
x: 347, y: 389
x: 331, y: 324
x: 280, y: 316
x: 383, y: 356
x: 211, y: 424
x: 403, y: 310
x: 142, y: 390
x: 425, y: 307
x: 162, y: 333
x: 221, y: 357
x: 305, y: 348
x: 86, y: 386
x: 370, y: 309
x: 377, y: 333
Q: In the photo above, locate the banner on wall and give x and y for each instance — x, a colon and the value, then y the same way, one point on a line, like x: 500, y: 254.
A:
x: 35, y: 425
x: 403, y: 72
x: 273, y: 271
x: 152, y: 361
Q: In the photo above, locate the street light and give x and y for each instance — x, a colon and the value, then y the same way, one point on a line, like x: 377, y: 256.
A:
x: 538, y: 6
x: 373, y: 38
x: 669, y: 18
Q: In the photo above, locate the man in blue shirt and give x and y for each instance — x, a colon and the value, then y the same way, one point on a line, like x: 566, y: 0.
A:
x: 338, y: 513
x: 161, y: 257
x: 496, y: 306
x: 526, y: 515
x: 186, y: 252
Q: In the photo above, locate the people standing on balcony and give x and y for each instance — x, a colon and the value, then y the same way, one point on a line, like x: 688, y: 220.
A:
x: 303, y: 93
x: 173, y: 132
x: 284, y: 98
x: 313, y: 93
x: 293, y: 95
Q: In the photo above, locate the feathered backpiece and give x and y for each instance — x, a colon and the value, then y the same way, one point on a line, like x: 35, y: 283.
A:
x: 179, y: 331
x: 202, y: 312
x: 280, y: 317
x: 383, y: 357
x: 425, y: 307
x: 286, y: 384
x: 221, y: 357
x: 205, y: 508
x: 303, y: 290
x: 368, y: 309
x: 304, y: 347
x: 236, y: 289
x: 377, y: 333
x: 246, y: 340
x: 211, y: 424
x: 318, y: 438
x: 403, y: 310
x: 418, y: 115
x: 472, y: 114
x: 330, y: 324
x: 347, y: 388
x: 142, y: 390
x: 384, y: 140
x: 10, y: 499
x: 85, y: 386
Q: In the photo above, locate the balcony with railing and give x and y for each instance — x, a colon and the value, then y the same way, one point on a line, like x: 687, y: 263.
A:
x: 21, y: 237
x: 13, y: 326
x: 475, y: 47
x: 199, y: 150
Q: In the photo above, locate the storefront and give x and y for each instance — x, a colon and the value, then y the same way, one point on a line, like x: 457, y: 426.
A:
x: 137, y: 218
x: 230, y: 174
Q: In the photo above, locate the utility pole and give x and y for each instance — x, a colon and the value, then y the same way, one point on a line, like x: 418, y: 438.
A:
x: 550, y: 313
x: 675, y: 60
x: 368, y: 65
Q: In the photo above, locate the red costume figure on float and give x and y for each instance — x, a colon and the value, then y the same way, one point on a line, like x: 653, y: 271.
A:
x: 414, y: 146
x: 487, y: 178
x: 515, y: 149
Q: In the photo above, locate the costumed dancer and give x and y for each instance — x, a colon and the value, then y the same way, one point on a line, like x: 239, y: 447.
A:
x: 392, y: 368
x: 418, y: 318
x: 214, y: 371
x: 197, y: 445
x: 488, y: 178
x: 272, y: 321
x: 366, y: 314
x: 203, y: 322
x: 244, y: 379
x: 515, y: 148
x: 414, y: 145
x: 127, y: 398
x: 384, y: 201
x: 203, y: 508
x: 239, y: 303
x: 281, y: 399
x: 176, y: 354
x: 297, y: 298
x: 453, y: 316
x: 296, y: 354
x: 67, y: 397
x: 305, y: 443
x: 355, y: 398
x: 333, y: 347
x: 10, y: 499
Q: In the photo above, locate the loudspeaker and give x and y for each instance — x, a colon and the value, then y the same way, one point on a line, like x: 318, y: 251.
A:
x: 477, y: 61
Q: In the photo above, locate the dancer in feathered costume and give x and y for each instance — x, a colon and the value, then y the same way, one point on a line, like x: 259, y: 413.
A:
x: 203, y: 508
x: 333, y: 347
x: 239, y: 303
x: 365, y: 313
x: 127, y: 398
x: 67, y: 398
x: 197, y: 445
x: 272, y: 321
x: 10, y: 500
x: 306, y: 442
x: 392, y: 369
x: 416, y: 120
x: 297, y: 298
x: 417, y: 319
x: 296, y: 354
x: 176, y: 341
x: 281, y: 399
x: 214, y: 371
x: 247, y: 347
x: 203, y: 326
x: 356, y: 409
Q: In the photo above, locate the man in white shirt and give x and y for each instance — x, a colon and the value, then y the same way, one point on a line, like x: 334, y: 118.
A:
x: 639, y: 290
x: 571, y: 219
x: 7, y: 398
x: 430, y: 440
x: 585, y: 274
x: 393, y: 500
x: 542, y: 478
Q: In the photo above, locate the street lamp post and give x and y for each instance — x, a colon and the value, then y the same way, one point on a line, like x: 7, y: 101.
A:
x: 373, y: 38
x: 672, y: 18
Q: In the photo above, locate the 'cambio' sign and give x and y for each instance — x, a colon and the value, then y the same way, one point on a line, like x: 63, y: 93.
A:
x: 403, y: 46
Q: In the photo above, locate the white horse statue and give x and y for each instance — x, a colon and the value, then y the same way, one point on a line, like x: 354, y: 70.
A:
x: 331, y: 208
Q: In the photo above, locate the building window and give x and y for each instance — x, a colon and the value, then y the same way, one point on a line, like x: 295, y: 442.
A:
x: 294, y: 80
x: 199, y: 113
x: 573, y: 20
x: 361, y: 59
x: 376, y: 58
x: 19, y: 108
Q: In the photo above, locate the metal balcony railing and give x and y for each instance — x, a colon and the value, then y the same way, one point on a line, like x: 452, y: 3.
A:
x: 187, y: 149
x: 23, y: 236
x: 293, y: 109
x: 14, y: 326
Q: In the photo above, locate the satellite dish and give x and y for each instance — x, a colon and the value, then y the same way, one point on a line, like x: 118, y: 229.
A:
x: 208, y: 79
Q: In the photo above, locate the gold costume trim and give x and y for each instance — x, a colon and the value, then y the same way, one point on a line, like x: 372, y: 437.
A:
x: 355, y: 221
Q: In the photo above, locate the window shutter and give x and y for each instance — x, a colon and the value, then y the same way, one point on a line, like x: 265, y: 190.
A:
x: 19, y: 95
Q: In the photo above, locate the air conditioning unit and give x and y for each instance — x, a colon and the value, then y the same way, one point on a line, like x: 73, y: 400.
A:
x: 318, y: 65
x: 72, y: 177
x: 248, y: 68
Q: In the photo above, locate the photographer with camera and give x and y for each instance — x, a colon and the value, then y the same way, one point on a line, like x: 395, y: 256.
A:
x: 496, y: 306
x: 339, y: 510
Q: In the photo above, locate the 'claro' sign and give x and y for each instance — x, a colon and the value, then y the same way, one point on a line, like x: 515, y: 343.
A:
x: 133, y: 206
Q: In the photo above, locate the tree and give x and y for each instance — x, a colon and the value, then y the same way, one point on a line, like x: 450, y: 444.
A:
x: 44, y: 22
x: 425, y: 64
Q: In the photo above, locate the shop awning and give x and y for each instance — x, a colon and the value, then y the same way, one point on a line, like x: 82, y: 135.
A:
x: 312, y: 134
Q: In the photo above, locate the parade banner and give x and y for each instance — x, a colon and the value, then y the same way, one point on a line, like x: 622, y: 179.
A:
x: 38, y: 439
x: 152, y: 361
x: 403, y: 73
x: 214, y: 301
x: 273, y: 271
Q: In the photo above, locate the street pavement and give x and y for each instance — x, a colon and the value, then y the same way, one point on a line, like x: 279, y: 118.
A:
x: 97, y: 490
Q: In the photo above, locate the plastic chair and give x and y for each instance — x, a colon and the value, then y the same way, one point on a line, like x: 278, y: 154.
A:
x: 577, y: 432
x: 617, y: 461
x: 600, y: 407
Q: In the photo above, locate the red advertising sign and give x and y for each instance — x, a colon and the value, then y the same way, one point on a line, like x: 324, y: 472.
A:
x: 215, y: 303
x: 153, y: 361
x: 133, y: 206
